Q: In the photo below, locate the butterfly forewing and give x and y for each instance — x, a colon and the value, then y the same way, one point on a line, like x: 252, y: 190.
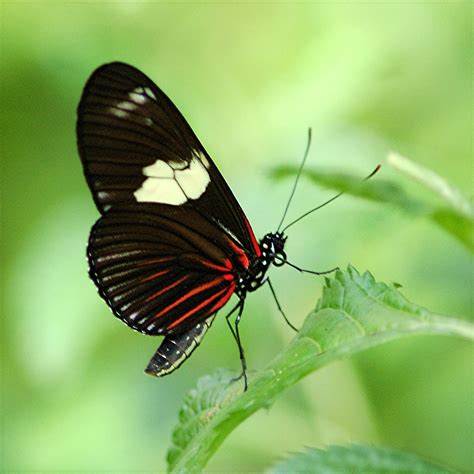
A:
x: 136, y: 146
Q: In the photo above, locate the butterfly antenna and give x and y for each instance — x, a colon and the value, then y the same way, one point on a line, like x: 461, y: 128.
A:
x: 308, y: 145
x: 327, y: 202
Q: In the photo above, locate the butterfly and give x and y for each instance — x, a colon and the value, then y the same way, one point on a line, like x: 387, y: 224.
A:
x: 172, y: 244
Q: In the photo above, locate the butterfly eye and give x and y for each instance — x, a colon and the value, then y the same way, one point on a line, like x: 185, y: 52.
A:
x: 280, y: 259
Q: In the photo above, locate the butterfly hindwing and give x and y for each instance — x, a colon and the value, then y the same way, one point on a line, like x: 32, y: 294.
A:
x: 163, y: 269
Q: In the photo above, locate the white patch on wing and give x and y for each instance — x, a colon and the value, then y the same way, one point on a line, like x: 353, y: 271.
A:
x: 164, y: 191
x: 193, y: 180
x: 203, y: 158
x: 159, y: 169
x: 149, y: 92
x: 171, y: 184
x: 178, y: 165
x: 102, y: 195
x: 137, y: 96
x: 120, y: 110
x: 126, y: 105
x: 119, y: 113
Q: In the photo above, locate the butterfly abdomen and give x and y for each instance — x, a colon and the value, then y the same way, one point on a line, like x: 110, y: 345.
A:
x: 175, y: 349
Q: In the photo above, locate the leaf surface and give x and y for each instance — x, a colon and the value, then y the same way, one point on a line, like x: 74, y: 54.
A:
x: 451, y: 211
x: 354, y: 313
x: 356, y: 458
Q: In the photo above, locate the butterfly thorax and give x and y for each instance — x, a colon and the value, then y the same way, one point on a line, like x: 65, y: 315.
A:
x: 271, y: 252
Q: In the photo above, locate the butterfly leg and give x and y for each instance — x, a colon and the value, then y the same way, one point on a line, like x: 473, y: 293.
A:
x: 235, y: 332
x: 279, y: 306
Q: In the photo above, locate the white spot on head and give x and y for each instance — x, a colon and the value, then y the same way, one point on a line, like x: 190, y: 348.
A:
x: 168, y: 183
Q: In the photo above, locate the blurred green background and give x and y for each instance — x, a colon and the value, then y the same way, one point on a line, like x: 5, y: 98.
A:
x: 250, y: 79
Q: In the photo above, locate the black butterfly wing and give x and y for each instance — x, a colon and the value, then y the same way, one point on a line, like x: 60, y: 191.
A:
x: 171, y: 235
x: 136, y: 146
x: 163, y: 269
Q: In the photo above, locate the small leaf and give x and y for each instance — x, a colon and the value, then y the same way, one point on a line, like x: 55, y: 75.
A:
x: 377, y: 189
x: 199, y: 407
x: 453, y: 213
x: 354, y: 313
x: 429, y: 179
x: 356, y: 458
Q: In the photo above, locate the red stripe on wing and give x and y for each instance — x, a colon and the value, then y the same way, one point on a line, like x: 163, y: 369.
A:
x: 156, y: 260
x: 227, y: 294
x: 188, y: 295
x: 198, y: 262
x: 252, y: 237
x: 226, y: 268
x: 241, y: 255
x: 156, y: 275
x: 224, y: 299
x: 167, y: 288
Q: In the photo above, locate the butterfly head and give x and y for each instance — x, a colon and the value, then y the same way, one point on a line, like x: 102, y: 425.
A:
x: 271, y: 252
x: 272, y: 246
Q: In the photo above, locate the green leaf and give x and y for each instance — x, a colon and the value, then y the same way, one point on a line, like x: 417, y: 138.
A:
x: 452, y: 212
x: 432, y: 181
x: 377, y: 190
x: 356, y: 458
x: 354, y: 313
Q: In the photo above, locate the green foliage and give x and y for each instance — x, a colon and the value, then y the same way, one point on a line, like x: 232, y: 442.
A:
x: 452, y: 211
x: 354, y: 313
x: 250, y: 77
x: 356, y: 458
